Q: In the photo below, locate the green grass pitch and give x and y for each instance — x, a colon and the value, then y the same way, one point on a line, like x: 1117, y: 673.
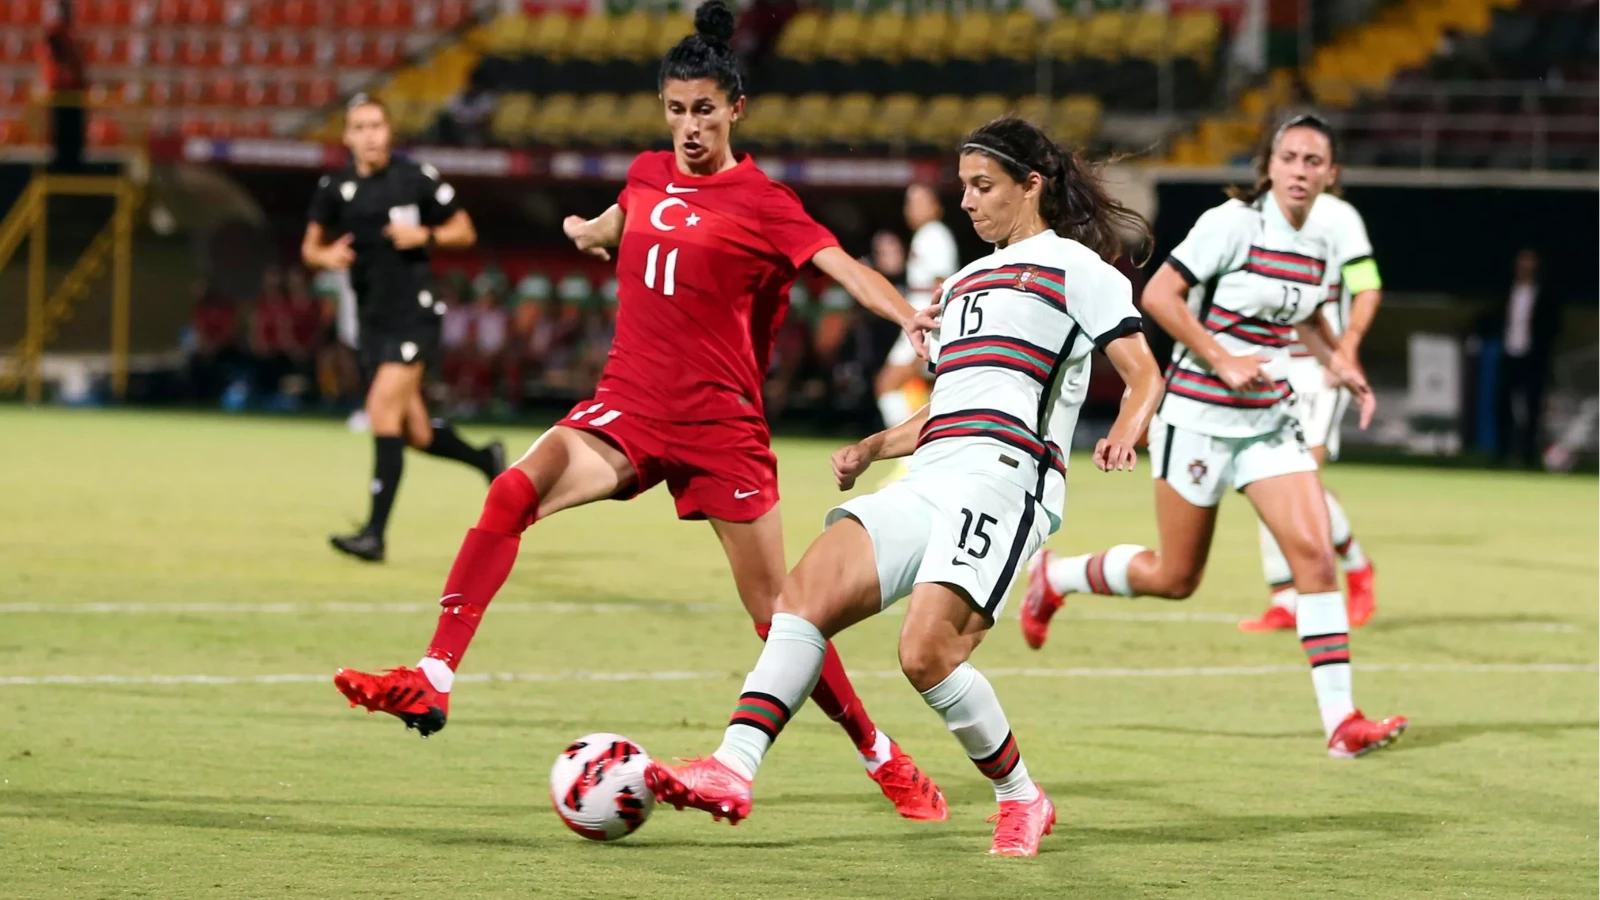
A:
x: 1185, y: 758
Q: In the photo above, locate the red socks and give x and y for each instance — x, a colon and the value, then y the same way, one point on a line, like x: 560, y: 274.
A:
x: 483, y: 563
x: 836, y: 697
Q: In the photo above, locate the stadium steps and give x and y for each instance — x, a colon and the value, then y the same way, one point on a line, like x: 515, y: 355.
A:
x: 1360, y: 60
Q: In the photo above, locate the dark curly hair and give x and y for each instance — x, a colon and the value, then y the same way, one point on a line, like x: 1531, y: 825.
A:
x: 705, y: 54
x: 1073, y: 202
x: 1269, y: 145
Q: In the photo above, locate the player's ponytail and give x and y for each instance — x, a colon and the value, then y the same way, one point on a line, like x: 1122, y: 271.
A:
x: 1073, y: 202
x: 706, y: 54
x: 1269, y: 145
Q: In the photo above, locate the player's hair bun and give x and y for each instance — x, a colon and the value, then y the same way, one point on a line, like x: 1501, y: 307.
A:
x: 714, y: 21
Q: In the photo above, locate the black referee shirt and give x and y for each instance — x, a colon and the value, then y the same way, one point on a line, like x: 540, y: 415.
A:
x: 394, y: 288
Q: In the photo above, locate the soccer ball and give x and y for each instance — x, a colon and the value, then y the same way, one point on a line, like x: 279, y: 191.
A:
x: 597, y: 787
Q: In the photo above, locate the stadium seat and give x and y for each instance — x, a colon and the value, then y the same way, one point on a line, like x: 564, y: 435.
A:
x: 891, y: 124
x: 554, y: 119
x: 640, y: 120
x: 941, y: 123
x: 847, y: 127
x: 1075, y: 119
x: 806, y: 122
x: 512, y: 114
x: 766, y: 121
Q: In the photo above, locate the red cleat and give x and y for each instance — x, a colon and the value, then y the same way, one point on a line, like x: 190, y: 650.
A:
x: 703, y: 784
x: 913, y: 793
x: 403, y: 693
x: 1357, y: 735
x: 1020, y: 824
x: 1276, y: 618
x: 1042, y: 601
x: 1358, y: 595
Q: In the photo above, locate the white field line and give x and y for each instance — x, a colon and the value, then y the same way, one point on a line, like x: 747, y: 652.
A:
x: 504, y: 606
x: 581, y: 676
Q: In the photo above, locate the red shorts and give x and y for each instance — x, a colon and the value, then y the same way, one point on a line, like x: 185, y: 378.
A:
x: 722, y: 469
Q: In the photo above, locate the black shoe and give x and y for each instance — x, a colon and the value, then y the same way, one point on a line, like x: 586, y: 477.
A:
x: 497, y: 459
x: 361, y: 545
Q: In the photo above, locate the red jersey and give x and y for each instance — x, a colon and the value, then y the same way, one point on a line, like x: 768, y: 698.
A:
x: 703, y: 275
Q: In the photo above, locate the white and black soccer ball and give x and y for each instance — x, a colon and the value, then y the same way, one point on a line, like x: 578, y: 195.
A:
x: 598, y: 789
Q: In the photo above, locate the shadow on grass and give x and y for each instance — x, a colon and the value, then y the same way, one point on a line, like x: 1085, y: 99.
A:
x: 1384, y: 623
x: 146, y: 811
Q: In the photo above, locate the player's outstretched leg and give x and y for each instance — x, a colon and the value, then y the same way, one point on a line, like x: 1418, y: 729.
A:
x: 578, y: 469
x: 940, y: 632
x: 1051, y: 578
x: 755, y: 555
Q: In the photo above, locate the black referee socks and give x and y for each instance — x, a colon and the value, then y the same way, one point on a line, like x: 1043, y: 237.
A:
x: 388, y: 461
x: 447, y: 443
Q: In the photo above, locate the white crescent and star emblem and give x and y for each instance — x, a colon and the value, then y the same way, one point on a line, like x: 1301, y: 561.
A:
x: 347, y: 190
x: 689, y: 221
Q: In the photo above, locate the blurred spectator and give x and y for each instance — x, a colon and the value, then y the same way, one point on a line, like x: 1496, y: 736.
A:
x: 791, y: 351
x: 491, y: 327
x: 532, y: 295
x: 889, y: 257
x: 455, y: 335
x: 465, y: 119
x: 271, y: 336
x: 598, y: 327
x: 214, y: 355
x: 1532, y: 318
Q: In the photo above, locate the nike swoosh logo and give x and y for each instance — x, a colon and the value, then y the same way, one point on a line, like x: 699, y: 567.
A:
x: 740, y: 495
x: 674, y: 189
x: 958, y: 561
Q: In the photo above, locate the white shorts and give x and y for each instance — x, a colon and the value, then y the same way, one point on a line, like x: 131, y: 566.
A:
x: 967, y: 529
x: 1202, y: 468
x: 1318, y: 407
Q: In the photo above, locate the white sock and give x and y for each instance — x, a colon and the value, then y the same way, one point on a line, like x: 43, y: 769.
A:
x: 1276, y: 569
x: 1098, y: 573
x: 972, y: 712
x: 1344, y: 541
x: 894, y: 408
x: 1324, y: 629
x: 439, y: 673
x: 783, y: 678
x: 882, y: 750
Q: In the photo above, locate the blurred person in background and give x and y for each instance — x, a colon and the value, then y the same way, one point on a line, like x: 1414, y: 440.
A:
x: 1530, y: 323
x: 596, y: 330
x: 491, y: 328
x: 931, y: 260
x: 455, y: 339
x: 379, y: 219
x: 530, y: 295
x: 270, y: 337
x: 215, y: 357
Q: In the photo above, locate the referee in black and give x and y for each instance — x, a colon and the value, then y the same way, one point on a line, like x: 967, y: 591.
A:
x: 379, y: 218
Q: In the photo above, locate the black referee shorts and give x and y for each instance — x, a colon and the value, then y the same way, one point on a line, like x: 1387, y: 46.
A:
x: 413, y: 344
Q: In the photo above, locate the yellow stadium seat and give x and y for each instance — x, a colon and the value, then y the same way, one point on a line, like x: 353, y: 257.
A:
x: 1194, y: 35
x: 843, y: 36
x: 635, y: 37
x: 851, y: 118
x: 412, y: 116
x: 892, y: 120
x: 511, y: 116
x: 885, y: 37
x: 807, y: 117
x: 942, y: 121
x: 669, y: 31
x: 599, y: 120
x: 641, y: 118
x: 1103, y: 35
x: 592, y: 39
x: 930, y: 36
x: 800, y: 37
x: 1034, y: 108
x: 766, y: 119
x: 1076, y: 119
x: 1063, y: 39
x: 975, y: 37
x: 554, y: 119
x: 1146, y: 36
x: 983, y: 109
x: 1019, y: 36
x: 503, y: 36
x: 547, y: 35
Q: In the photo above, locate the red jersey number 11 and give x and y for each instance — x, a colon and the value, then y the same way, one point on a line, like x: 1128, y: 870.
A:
x: 668, y: 283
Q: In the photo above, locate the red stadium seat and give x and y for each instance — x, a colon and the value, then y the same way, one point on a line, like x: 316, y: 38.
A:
x: 321, y: 92
x: 230, y: 50
x: 169, y: 12
x: 224, y: 90
x: 394, y: 14
x: 325, y: 50
x: 258, y: 49
x: 353, y: 49
x: 386, y: 51
x: 358, y: 14
x: 104, y: 130
x: 204, y: 12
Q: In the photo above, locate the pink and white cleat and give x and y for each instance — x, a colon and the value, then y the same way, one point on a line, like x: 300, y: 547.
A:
x: 1042, y: 601
x: 1357, y: 735
x: 1020, y: 824
x: 705, y: 784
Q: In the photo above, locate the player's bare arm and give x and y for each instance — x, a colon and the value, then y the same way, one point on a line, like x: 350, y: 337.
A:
x: 456, y: 233
x: 595, y: 236
x: 1363, y: 310
x: 318, y: 253
x: 1164, y: 300
x: 1133, y: 360
x: 891, y: 443
x: 1319, y: 338
x: 872, y: 291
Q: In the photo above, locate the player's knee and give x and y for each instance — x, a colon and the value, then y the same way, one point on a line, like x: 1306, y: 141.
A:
x: 512, y: 504
x: 1314, y: 568
x: 1175, y: 585
x: 927, y: 661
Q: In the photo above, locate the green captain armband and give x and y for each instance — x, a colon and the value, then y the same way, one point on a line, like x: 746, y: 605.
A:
x: 1362, y: 275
